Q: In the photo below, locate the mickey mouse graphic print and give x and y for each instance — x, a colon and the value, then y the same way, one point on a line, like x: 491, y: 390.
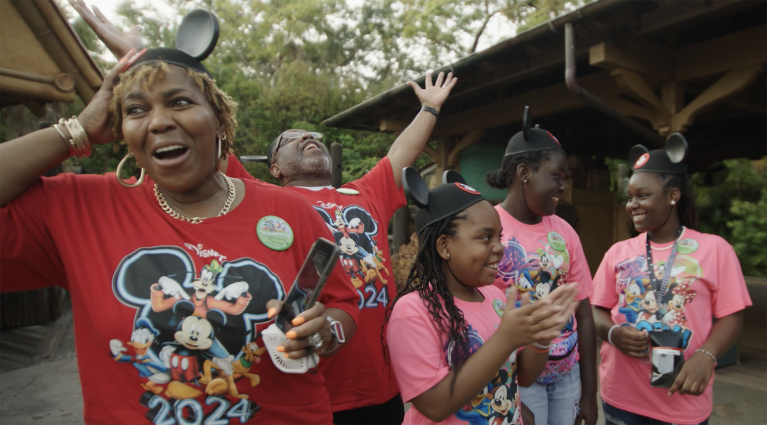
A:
x: 706, y: 283
x: 422, y: 357
x: 169, y: 314
x: 357, y: 215
x: 538, y: 259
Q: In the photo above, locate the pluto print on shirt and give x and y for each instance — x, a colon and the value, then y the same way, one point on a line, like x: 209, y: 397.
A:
x: 498, y: 402
x: 194, y: 341
x: 639, y: 303
x: 354, y: 230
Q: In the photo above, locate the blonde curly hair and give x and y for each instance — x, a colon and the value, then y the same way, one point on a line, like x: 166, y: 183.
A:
x: 148, y: 73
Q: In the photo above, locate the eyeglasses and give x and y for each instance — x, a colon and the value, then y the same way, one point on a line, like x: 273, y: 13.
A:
x: 289, y: 136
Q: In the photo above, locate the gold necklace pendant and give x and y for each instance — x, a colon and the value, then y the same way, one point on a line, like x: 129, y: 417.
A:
x: 196, y: 220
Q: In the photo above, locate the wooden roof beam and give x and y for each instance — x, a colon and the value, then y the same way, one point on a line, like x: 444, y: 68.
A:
x: 679, y: 12
x: 35, y: 89
x: 733, y: 51
x: 468, y: 139
x: 545, y: 101
x: 637, y: 54
x: 727, y: 86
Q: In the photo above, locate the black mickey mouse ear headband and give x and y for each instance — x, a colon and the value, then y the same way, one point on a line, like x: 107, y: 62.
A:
x: 450, y: 176
x: 531, y: 138
x: 449, y: 198
x: 664, y: 161
x: 195, y: 40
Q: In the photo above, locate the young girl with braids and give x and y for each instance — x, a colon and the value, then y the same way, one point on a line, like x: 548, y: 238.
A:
x: 687, y: 278
x: 542, y: 252
x: 451, y: 336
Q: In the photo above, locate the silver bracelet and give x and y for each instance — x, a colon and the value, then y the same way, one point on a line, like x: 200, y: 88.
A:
x: 700, y: 350
x: 610, y: 334
x: 541, y: 347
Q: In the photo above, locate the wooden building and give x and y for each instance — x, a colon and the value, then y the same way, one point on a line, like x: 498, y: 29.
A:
x: 41, y: 58
x: 41, y: 61
x: 638, y: 71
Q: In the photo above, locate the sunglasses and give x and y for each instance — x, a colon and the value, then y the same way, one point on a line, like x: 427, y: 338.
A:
x: 290, y: 136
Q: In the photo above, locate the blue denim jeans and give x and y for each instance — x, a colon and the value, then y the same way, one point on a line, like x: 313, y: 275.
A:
x: 557, y: 403
x: 615, y: 416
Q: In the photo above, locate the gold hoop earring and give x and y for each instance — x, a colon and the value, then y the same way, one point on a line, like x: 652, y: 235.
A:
x: 119, y: 170
x: 219, y: 148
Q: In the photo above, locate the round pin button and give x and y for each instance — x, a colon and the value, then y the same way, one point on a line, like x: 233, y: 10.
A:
x: 274, y: 232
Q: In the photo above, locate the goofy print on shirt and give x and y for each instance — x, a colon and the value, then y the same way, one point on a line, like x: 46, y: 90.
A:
x: 354, y: 230
x: 195, y: 337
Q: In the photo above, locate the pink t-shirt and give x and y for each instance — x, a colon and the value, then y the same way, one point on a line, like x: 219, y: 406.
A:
x: 538, y: 258
x: 418, y: 354
x: 706, y: 282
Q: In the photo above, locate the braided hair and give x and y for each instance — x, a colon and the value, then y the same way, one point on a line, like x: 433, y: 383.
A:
x: 685, y: 208
x: 427, y: 279
x: 504, y: 176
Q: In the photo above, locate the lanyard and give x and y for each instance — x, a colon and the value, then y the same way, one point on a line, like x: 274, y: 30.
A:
x: 666, y: 271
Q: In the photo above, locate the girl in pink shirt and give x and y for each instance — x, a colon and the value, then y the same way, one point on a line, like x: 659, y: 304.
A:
x: 451, y: 337
x: 669, y: 278
x: 542, y: 253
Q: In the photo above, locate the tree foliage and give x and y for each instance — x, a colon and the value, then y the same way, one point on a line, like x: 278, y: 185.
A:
x: 734, y: 209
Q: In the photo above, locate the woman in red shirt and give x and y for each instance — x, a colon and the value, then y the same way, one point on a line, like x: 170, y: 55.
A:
x: 174, y: 273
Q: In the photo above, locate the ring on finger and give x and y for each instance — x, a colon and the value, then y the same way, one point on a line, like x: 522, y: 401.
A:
x: 315, y: 340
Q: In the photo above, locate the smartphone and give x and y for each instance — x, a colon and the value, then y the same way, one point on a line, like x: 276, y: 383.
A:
x: 318, y: 265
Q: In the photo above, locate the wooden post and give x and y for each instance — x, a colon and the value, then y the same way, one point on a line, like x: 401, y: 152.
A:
x: 400, y: 222
x: 336, y: 160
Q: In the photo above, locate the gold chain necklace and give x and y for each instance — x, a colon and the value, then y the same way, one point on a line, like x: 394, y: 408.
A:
x: 196, y: 220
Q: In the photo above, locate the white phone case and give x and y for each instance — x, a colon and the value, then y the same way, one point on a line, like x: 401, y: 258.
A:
x: 274, y: 337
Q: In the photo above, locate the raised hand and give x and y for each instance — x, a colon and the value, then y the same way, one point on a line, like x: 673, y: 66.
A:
x: 95, y: 117
x: 118, y: 42
x: 434, y: 95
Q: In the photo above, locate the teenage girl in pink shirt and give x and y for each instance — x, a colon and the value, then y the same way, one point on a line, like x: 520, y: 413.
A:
x: 451, y: 336
x: 670, y: 278
x: 543, y: 253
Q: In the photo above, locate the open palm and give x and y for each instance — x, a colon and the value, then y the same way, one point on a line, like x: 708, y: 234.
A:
x: 118, y: 42
x: 434, y: 95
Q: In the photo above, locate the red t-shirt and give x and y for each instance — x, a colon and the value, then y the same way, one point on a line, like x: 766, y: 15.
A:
x: 706, y: 282
x: 118, y: 252
x: 359, y: 375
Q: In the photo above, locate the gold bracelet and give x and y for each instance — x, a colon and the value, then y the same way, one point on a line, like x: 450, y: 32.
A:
x: 79, y: 139
x: 63, y: 137
x: 83, y: 137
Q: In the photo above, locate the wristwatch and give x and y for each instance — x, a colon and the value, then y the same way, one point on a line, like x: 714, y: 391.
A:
x: 336, y: 332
